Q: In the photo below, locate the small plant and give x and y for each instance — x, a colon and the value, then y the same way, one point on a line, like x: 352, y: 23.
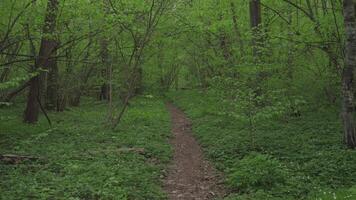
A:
x: 257, y: 172
x: 331, y: 194
x: 258, y: 195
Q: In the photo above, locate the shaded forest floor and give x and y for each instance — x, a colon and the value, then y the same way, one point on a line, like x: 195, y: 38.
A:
x: 82, y: 160
x: 298, y: 158
x: 293, y: 158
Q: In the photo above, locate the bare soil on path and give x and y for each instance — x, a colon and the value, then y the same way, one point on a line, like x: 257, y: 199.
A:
x: 190, y: 176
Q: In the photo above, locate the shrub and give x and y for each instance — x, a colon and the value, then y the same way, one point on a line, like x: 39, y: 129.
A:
x: 331, y: 194
x: 258, y: 195
x: 256, y: 171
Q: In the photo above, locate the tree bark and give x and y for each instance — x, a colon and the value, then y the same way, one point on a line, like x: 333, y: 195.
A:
x: 105, y: 56
x: 236, y: 28
x: 256, y: 20
x: 32, y: 108
x: 47, y: 48
x: 52, y: 82
x: 348, y: 106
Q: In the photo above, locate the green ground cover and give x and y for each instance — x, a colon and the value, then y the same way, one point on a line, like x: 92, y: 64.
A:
x: 299, y: 158
x: 81, y: 159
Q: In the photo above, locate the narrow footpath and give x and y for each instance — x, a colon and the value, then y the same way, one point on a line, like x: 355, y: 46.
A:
x: 190, y: 176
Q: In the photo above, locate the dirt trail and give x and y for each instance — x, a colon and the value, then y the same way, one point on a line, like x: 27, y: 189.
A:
x: 190, y: 176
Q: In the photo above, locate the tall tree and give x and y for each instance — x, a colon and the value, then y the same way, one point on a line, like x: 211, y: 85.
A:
x: 348, y: 75
x: 105, y: 55
x: 48, y: 47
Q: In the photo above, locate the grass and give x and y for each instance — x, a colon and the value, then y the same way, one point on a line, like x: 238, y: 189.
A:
x: 81, y: 158
x: 298, y: 158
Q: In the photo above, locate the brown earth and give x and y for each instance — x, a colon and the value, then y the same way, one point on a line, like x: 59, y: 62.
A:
x: 190, y: 176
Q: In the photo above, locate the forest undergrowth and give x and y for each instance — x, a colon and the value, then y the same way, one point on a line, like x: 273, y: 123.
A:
x: 269, y: 86
x: 283, y: 158
x: 78, y: 158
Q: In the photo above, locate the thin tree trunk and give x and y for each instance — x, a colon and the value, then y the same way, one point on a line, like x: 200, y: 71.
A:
x: 236, y: 27
x: 104, y: 44
x: 111, y: 108
x: 104, y: 93
x: 348, y: 107
x: 256, y: 20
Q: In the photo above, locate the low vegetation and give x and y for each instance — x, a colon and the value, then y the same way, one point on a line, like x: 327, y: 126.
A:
x: 78, y: 159
x: 283, y: 158
x: 269, y: 85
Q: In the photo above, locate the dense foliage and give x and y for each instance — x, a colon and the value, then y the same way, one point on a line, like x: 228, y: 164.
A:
x: 262, y: 80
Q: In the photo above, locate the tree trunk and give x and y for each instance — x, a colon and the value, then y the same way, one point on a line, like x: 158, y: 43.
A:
x: 33, y: 107
x: 104, y: 93
x: 348, y: 74
x: 256, y: 20
x: 224, y: 45
x: 52, y: 83
x: 47, y: 48
x: 236, y: 28
x: 104, y: 45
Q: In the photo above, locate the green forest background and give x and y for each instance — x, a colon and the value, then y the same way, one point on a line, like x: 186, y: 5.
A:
x: 264, y: 83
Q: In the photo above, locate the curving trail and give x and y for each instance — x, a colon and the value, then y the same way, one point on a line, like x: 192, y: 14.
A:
x: 190, y: 176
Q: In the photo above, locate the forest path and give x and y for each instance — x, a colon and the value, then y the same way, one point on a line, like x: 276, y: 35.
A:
x: 190, y: 176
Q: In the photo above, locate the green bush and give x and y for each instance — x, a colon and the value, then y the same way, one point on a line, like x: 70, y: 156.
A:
x: 257, y: 171
x: 331, y: 194
x: 258, y: 195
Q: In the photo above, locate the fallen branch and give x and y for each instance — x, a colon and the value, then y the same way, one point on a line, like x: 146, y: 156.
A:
x: 16, y: 159
x: 123, y: 150
x: 134, y: 150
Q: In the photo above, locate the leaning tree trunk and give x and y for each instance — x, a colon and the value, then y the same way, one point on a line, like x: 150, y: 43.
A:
x: 48, y: 46
x: 348, y: 88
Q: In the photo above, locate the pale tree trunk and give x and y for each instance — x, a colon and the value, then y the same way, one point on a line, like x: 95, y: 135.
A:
x: 47, y: 48
x: 348, y: 88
